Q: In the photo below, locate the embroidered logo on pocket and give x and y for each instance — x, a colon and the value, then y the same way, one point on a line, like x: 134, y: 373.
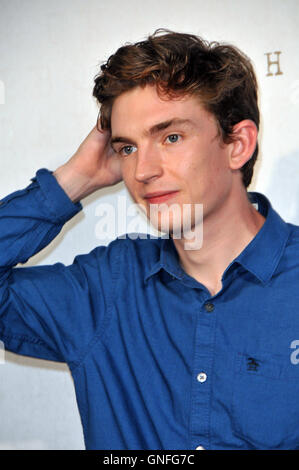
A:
x: 252, y: 364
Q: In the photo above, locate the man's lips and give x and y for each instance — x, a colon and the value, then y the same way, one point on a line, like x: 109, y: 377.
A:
x: 159, y: 196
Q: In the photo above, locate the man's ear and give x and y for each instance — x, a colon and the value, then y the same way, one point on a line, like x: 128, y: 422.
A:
x: 244, y: 143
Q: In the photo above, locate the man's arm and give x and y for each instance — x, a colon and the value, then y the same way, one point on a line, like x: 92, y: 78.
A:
x: 51, y: 311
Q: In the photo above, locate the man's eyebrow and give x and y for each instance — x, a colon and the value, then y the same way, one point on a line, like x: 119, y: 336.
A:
x: 153, y: 130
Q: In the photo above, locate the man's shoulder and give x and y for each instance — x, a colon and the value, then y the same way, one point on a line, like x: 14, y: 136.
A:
x: 137, y: 241
x: 136, y: 244
x: 132, y: 249
x: 293, y: 239
x: 290, y: 257
x: 121, y: 255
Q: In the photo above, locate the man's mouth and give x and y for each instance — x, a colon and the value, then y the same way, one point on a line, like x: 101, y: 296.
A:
x: 159, y: 197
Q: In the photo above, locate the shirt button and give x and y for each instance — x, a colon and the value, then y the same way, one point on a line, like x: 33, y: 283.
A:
x: 200, y: 448
x: 202, y: 377
x: 209, y: 307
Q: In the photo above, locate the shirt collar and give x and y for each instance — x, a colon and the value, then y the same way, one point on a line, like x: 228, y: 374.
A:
x: 261, y: 256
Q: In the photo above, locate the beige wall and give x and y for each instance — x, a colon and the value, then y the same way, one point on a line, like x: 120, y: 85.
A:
x: 49, y: 54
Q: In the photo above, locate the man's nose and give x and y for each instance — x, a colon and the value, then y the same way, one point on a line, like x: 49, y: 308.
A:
x: 148, y: 164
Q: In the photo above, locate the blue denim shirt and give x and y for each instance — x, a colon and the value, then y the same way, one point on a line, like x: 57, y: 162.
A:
x: 157, y: 361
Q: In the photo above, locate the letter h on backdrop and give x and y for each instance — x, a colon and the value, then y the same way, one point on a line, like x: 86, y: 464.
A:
x: 272, y: 63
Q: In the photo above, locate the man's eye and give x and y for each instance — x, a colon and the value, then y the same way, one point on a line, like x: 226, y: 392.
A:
x: 127, y: 150
x: 173, y: 138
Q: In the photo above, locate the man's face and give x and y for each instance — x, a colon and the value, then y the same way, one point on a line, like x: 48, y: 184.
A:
x: 169, y: 146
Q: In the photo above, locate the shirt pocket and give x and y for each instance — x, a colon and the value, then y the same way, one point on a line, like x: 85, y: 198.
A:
x: 265, y: 401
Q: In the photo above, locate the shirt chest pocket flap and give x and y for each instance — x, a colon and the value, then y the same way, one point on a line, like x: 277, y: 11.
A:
x: 265, y: 401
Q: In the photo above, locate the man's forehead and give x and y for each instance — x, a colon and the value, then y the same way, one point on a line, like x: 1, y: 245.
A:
x: 149, y: 99
x: 157, y: 127
x: 150, y: 114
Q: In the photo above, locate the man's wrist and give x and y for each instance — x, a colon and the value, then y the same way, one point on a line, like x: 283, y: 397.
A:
x: 57, y: 204
x: 74, y: 184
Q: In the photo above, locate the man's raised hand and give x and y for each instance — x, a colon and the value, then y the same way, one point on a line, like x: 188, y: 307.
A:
x: 93, y: 166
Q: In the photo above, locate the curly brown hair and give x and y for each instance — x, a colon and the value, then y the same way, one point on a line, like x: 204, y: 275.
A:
x: 180, y: 64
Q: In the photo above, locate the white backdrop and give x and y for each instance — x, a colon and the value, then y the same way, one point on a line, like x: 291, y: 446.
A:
x: 49, y: 54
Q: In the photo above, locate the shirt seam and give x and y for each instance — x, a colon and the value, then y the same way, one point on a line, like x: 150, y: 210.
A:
x: 28, y: 339
x: 101, y: 330
x: 212, y: 376
x: 192, y: 405
x: 71, y: 210
x: 37, y: 231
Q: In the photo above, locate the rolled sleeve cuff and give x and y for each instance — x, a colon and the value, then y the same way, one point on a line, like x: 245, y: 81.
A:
x: 60, y: 206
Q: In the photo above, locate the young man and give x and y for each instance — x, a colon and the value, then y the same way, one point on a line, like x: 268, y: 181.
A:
x: 169, y: 348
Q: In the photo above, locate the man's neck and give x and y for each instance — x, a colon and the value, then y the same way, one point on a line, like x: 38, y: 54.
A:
x: 226, y: 233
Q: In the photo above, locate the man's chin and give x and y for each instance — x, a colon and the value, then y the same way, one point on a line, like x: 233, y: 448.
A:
x: 170, y: 230
x: 177, y: 223
x: 192, y: 237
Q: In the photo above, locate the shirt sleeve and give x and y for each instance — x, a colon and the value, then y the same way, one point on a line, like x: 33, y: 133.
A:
x: 52, y: 311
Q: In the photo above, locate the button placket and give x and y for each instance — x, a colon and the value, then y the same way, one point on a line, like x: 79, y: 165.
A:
x: 201, y: 390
